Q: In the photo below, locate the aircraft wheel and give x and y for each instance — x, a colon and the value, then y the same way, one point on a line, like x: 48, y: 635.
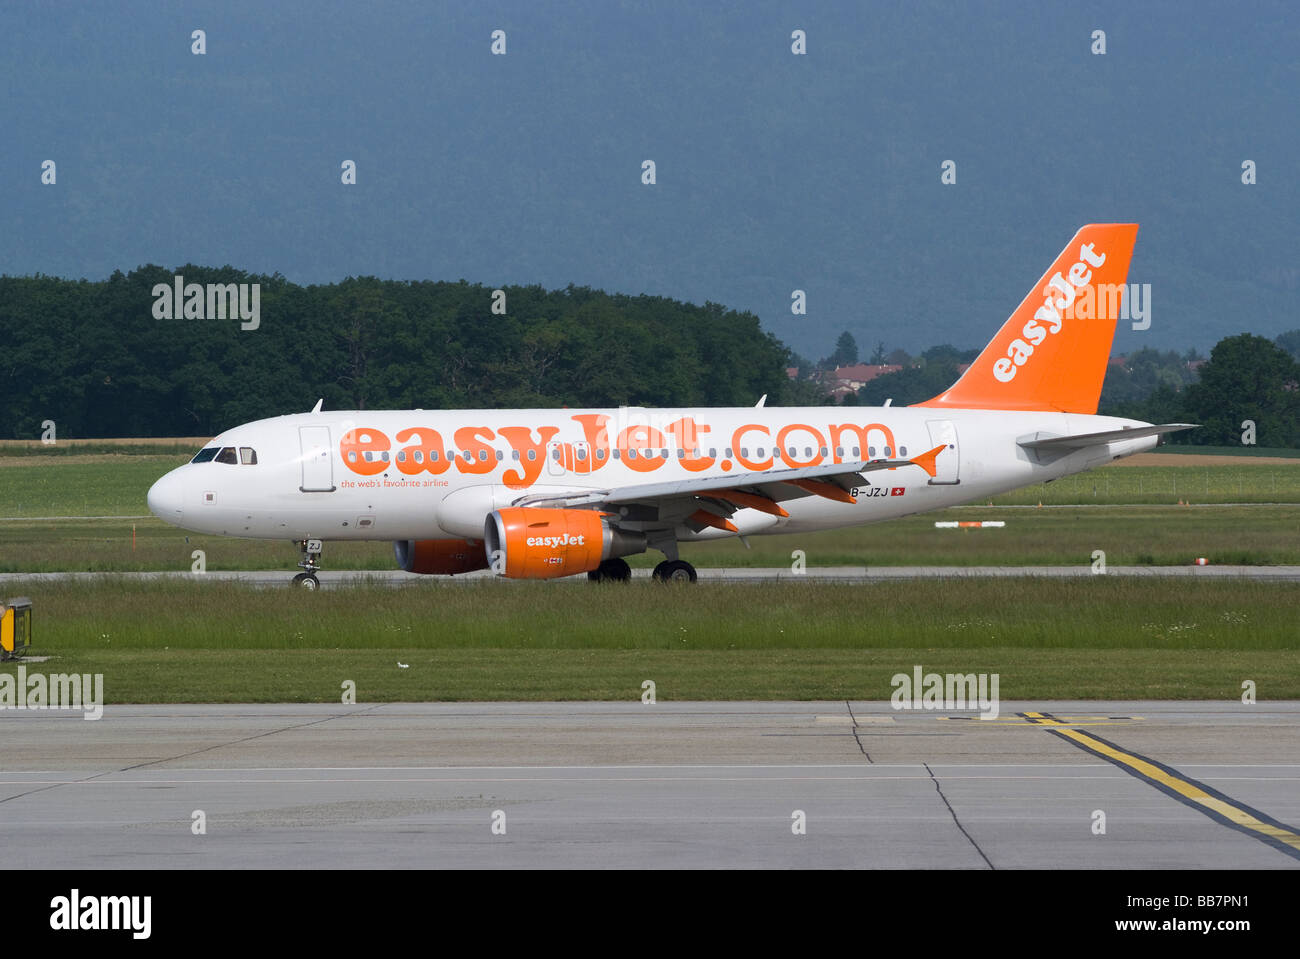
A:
x: 611, y: 571
x: 675, y: 571
x: 306, y: 581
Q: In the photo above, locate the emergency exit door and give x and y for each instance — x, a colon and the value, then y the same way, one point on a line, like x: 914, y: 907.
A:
x: 947, y: 463
x: 317, y: 464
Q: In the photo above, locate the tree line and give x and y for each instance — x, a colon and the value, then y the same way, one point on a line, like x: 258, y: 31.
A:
x: 92, y: 357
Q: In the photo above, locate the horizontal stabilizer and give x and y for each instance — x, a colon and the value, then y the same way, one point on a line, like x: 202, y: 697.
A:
x: 1083, y: 440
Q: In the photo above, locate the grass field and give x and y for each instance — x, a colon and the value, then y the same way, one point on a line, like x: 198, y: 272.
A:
x: 1156, y: 531
x: 1095, y: 637
x: 1138, y: 535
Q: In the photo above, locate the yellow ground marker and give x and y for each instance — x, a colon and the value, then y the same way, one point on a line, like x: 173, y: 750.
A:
x: 1206, y: 799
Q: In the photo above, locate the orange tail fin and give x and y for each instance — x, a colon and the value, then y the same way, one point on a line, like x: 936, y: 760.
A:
x: 1053, y: 351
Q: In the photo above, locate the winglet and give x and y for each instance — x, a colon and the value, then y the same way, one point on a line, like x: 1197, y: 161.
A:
x: 926, y: 460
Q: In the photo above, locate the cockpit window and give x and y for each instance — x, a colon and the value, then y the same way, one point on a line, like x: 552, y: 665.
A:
x: 247, y: 456
x: 203, y: 456
x: 227, y: 455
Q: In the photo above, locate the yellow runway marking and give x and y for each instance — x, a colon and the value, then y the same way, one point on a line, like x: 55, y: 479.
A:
x: 1199, y: 796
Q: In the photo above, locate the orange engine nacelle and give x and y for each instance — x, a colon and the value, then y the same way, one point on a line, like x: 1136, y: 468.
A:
x: 446, y: 557
x: 545, y: 543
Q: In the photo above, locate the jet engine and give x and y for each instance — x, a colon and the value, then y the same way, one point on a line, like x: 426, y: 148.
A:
x: 532, y: 543
x: 446, y: 557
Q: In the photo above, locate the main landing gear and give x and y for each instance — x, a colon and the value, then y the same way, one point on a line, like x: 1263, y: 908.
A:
x: 675, y: 571
x: 669, y: 571
x: 311, y: 550
x: 611, y: 571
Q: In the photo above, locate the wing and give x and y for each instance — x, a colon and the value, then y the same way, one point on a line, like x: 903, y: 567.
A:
x: 709, y: 500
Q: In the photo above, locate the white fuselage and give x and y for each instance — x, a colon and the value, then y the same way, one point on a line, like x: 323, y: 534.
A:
x: 347, y: 475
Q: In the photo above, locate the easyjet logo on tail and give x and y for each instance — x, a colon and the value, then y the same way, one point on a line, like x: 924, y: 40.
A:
x: 1058, y: 298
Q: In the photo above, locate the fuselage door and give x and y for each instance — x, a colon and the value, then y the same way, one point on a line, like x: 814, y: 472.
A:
x: 317, y: 464
x: 554, y: 459
x: 946, y: 464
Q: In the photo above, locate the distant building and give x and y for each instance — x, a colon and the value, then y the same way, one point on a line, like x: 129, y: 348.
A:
x: 857, y: 376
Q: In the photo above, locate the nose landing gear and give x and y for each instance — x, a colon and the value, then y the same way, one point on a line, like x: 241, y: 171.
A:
x: 311, y: 550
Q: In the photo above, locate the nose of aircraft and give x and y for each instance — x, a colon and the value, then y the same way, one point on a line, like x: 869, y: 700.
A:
x: 167, y: 497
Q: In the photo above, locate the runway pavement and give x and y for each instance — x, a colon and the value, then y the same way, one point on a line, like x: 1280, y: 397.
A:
x: 822, y: 574
x: 693, y: 785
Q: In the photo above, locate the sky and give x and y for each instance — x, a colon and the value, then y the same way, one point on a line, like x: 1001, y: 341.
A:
x: 774, y: 171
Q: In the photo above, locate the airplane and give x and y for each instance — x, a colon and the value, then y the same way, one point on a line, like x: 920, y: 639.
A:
x: 541, y: 494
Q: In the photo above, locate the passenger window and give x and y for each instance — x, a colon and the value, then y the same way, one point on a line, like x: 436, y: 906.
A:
x: 856, y: 451
x: 600, y: 454
x: 514, y: 454
x: 401, y: 456
x: 433, y: 456
x: 871, y: 451
x: 532, y: 454
x: 418, y: 456
x: 616, y: 454
x: 839, y: 451
x: 582, y: 455
x: 482, y: 456
x: 713, y: 453
x: 227, y: 455
x: 631, y: 454
x: 888, y: 451
x: 902, y: 451
x: 500, y: 456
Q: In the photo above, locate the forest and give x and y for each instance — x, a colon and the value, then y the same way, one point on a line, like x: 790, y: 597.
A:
x: 97, y: 360
x: 92, y: 357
